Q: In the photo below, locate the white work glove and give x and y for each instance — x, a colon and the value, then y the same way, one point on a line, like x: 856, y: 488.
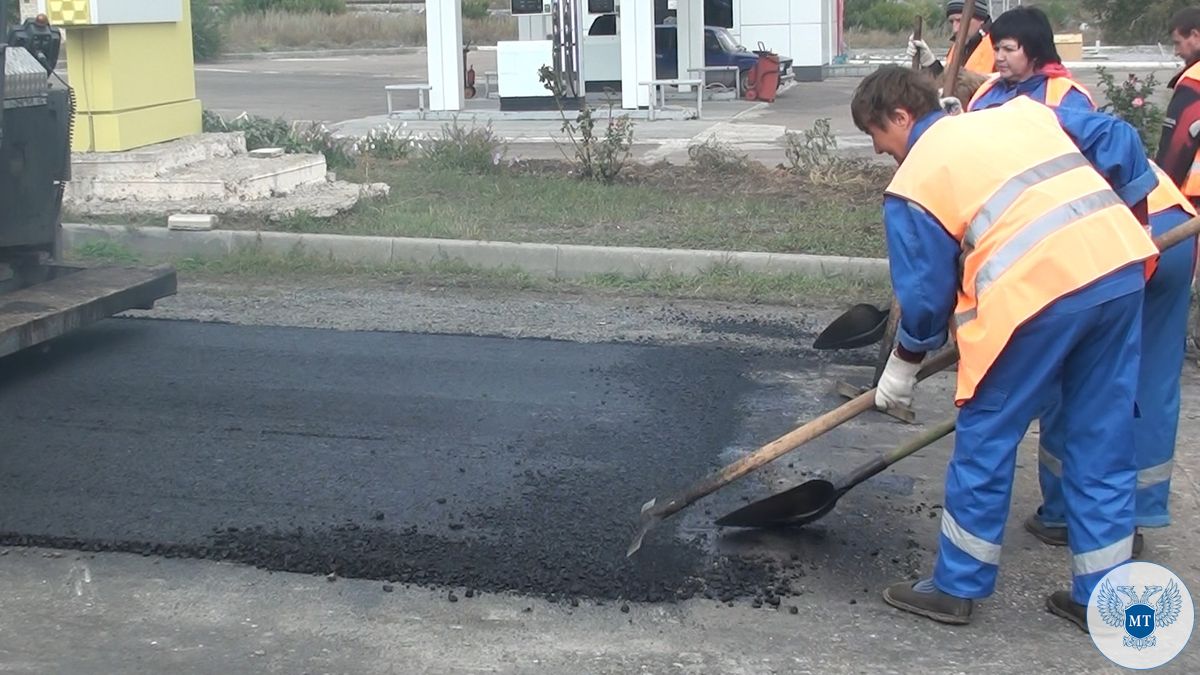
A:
x: 951, y: 105
x: 896, y: 384
x: 919, y: 47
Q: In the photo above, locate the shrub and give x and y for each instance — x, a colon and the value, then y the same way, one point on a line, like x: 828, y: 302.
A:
x: 389, y: 143
x: 465, y: 149
x: 293, y: 6
x: 207, y: 33
x: 263, y: 132
x: 812, y: 148
x: 716, y: 157
x: 1133, y: 101
x: 894, y: 17
x: 599, y: 158
x: 1134, y: 21
x: 812, y: 154
x: 474, y: 9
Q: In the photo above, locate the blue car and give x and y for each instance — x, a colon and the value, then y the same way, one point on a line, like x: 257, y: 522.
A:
x: 720, y: 49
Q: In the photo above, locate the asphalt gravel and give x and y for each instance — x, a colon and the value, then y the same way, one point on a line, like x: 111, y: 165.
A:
x: 480, y: 463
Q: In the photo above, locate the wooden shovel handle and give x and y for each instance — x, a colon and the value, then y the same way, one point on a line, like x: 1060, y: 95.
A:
x: 950, y: 83
x: 889, y: 340
x: 843, y: 413
x: 918, y: 25
x: 912, y: 446
x: 790, y: 441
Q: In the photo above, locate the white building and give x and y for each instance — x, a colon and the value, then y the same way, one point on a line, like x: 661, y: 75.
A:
x: 618, y: 42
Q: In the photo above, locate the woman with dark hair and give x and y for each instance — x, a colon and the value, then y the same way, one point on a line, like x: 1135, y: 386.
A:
x: 1027, y: 64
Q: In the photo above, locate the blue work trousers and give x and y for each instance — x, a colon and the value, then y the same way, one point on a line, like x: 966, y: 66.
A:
x: 1086, y: 356
x: 1164, y: 341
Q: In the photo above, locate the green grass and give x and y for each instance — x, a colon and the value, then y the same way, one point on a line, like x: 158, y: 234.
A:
x: 107, y: 252
x: 722, y: 282
x: 508, y: 206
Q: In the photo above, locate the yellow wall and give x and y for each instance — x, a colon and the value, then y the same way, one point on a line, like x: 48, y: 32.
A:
x: 134, y: 83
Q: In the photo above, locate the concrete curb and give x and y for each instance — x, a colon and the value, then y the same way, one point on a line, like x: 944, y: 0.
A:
x: 555, y: 261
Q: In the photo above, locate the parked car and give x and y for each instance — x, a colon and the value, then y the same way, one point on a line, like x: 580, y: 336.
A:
x: 720, y: 49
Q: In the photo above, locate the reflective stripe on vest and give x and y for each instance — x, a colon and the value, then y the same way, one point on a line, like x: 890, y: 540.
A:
x: 1035, y: 221
x: 982, y: 60
x: 1057, y: 89
x: 1191, y: 183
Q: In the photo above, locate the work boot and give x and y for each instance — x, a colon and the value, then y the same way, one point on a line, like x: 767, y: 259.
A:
x: 925, y: 599
x: 1060, y: 604
x: 1057, y: 536
x: 1054, y: 536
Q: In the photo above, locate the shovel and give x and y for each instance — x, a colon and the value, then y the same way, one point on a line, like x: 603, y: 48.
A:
x: 859, y: 326
x: 813, y: 499
x: 810, y: 501
x: 864, y: 325
x: 656, y: 510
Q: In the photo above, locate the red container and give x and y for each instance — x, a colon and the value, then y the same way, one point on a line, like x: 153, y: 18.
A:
x: 763, y: 80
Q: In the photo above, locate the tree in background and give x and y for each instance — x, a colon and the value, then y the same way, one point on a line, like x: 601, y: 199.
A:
x: 207, y: 36
x: 893, y: 17
x: 1134, y: 21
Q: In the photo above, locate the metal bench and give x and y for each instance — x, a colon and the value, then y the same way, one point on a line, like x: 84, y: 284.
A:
x: 705, y: 70
x: 658, y: 86
x: 422, y: 90
x: 490, y: 80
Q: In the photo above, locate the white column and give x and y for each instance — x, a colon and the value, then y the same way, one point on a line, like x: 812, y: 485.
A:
x: 637, y: 52
x: 443, y: 35
x: 689, y: 16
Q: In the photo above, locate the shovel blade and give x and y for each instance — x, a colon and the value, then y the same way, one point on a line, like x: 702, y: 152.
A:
x: 800, y: 505
x: 859, y: 326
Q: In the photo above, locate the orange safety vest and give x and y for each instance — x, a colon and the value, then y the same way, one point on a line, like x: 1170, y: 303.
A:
x: 1191, y: 184
x: 1035, y: 221
x: 1166, y: 195
x: 982, y: 60
x: 1056, y: 90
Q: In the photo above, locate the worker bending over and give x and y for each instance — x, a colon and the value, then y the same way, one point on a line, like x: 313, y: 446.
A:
x: 980, y: 56
x: 1029, y: 243
x: 1028, y: 64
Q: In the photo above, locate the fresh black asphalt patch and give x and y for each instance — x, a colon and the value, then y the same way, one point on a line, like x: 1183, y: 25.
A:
x: 479, y: 463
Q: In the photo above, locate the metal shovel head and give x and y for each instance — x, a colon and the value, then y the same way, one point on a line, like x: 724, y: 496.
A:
x: 859, y: 326
x: 800, y: 505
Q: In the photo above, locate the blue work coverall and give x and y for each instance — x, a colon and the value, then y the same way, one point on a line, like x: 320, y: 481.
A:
x: 1164, y: 342
x: 1082, y: 349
